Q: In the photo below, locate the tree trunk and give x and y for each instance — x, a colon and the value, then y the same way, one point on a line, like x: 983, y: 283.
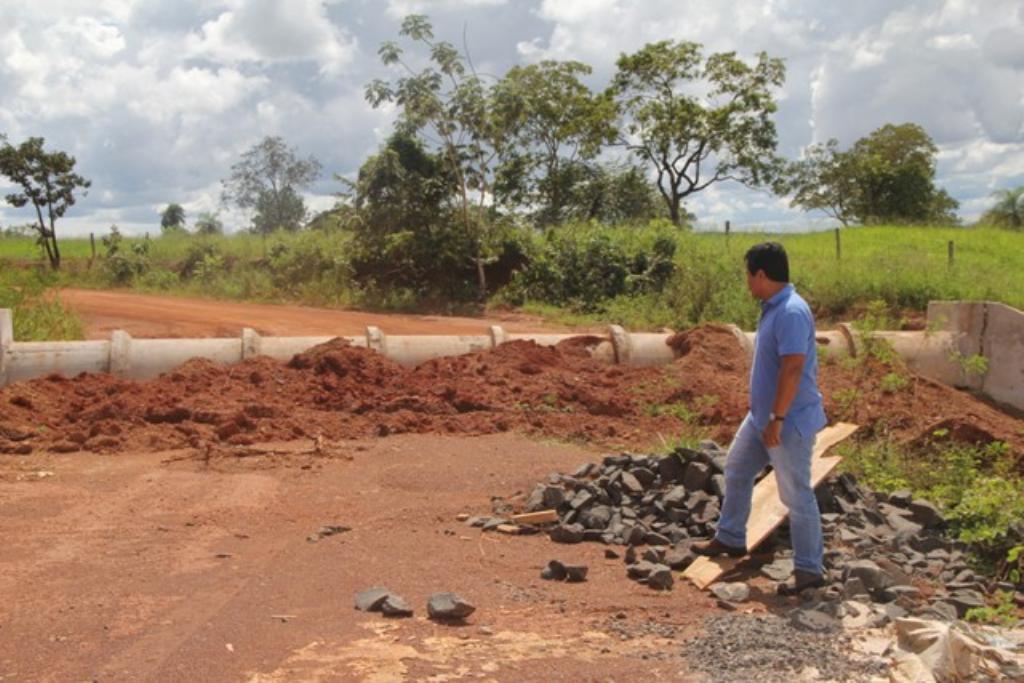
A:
x: 481, y: 279
x: 673, y: 210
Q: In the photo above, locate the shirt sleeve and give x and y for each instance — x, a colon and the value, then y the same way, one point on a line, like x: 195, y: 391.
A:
x: 792, y: 330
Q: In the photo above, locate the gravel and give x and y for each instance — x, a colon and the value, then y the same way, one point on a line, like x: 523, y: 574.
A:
x: 740, y: 648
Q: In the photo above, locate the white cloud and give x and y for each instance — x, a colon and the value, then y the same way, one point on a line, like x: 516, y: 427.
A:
x: 272, y: 31
x: 403, y: 8
x: 157, y: 99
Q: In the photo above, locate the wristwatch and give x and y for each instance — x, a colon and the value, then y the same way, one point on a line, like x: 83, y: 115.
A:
x: 772, y: 417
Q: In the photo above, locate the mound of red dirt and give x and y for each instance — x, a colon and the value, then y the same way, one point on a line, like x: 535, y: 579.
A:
x: 339, y: 391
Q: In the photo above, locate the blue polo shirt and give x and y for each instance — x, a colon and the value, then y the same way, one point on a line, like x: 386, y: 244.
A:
x: 786, y: 327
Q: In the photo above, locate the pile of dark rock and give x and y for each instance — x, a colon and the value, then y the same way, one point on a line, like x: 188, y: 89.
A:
x: 887, y: 550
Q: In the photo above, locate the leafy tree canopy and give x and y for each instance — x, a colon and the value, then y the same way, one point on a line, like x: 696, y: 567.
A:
x: 699, y: 121
x: 47, y: 181
x: 266, y: 180
x: 886, y: 177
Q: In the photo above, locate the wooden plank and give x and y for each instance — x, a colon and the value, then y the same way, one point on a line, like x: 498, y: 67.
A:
x: 542, y: 517
x: 513, y: 529
x: 767, y: 512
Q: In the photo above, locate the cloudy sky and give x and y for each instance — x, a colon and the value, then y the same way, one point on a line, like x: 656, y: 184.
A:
x: 157, y: 98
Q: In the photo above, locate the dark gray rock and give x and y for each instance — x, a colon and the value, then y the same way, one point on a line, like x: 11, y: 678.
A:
x: 575, y: 573
x: 640, y: 570
x: 582, y: 498
x: 610, y: 554
x: 394, y: 606
x: 585, y: 470
x: 942, y: 611
x: 925, y: 514
x: 654, y: 538
x: 670, y: 469
x: 697, y: 476
x: 964, y: 600
x: 596, y: 517
x: 675, y: 498
x: 448, y: 607
x: 637, y: 535
x: 631, y: 555
x: 813, y: 620
x: 567, y: 533
x: 779, y: 570
x: 654, y: 555
x: 901, y: 498
x: 717, y: 485
x: 679, y: 558
x: 731, y: 592
x: 371, y: 599
x: 870, y: 574
x: 593, y: 535
x: 631, y: 484
x: 660, y: 578
x: 645, y: 476
x: 555, y: 571
x: 493, y: 523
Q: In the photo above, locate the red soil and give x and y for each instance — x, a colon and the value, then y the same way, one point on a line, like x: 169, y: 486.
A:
x: 341, y: 392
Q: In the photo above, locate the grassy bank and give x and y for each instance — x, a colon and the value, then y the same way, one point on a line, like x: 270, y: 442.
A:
x: 906, y: 267
x: 38, y: 315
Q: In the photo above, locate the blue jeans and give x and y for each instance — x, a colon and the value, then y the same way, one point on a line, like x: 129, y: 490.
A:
x: 791, y: 461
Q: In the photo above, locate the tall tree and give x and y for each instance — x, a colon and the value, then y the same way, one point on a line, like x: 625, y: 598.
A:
x: 451, y: 105
x: 1008, y: 211
x: 825, y: 179
x: 896, y: 174
x: 887, y: 176
x: 172, y: 219
x: 47, y: 181
x: 698, y: 122
x: 559, y: 124
x: 266, y: 180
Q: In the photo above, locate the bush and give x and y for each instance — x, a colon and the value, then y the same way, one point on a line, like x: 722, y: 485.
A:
x: 585, y: 266
x: 124, y: 262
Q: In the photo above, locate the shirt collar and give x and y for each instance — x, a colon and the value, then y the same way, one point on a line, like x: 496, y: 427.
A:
x: 778, y: 296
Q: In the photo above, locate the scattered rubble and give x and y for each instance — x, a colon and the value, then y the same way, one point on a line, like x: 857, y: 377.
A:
x: 889, y: 553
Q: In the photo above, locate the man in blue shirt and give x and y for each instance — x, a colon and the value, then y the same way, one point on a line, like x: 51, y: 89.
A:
x: 785, y: 415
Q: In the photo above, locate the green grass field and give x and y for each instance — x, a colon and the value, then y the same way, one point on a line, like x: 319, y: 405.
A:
x: 905, y: 267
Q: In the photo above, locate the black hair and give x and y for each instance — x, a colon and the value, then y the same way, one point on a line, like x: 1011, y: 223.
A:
x: 771, y: 258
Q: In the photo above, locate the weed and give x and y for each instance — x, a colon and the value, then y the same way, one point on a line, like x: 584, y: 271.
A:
x: 894, y: 382
x: 1004, y: 612
x: 846, y: 401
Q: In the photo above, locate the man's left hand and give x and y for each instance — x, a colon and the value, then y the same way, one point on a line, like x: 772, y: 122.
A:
x: 772, y: 434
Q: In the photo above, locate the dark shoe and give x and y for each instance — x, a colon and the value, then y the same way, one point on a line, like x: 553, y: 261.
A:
x: 715, y: 548
x: 801, y: 581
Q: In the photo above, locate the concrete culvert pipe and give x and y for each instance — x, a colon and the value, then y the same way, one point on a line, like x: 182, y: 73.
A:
x: 957, y: 330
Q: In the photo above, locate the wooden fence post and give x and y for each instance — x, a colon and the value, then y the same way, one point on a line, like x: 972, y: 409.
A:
x: 839, y: 247
x: 950, y: 252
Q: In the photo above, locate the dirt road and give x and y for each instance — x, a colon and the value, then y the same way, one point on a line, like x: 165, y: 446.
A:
x: 145, y: 315
x: 143, y: 568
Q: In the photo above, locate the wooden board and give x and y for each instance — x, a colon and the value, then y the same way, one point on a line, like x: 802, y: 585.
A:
x: 541, y: 517
x: 766, y: 511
